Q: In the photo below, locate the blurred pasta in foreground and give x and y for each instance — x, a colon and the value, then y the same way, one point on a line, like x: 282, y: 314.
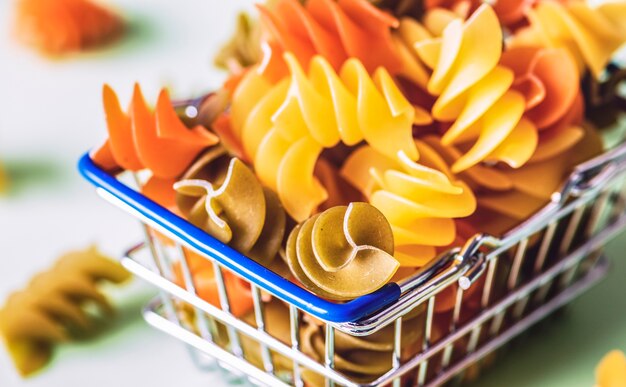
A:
x: 57, y: 306
x: 57, y: 27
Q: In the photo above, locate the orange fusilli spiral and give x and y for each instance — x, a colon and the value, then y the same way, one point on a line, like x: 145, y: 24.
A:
x: 591, y: 35
x: 60, y: 26
x: 144, y: 140
x: 336, y: 30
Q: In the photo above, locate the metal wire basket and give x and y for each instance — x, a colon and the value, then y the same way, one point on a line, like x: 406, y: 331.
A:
x: 545, y: 262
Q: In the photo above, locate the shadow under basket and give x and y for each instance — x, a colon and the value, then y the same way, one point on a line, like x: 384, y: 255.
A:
x: 500, y: 287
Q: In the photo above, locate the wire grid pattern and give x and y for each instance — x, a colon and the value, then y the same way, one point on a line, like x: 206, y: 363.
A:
x: 545, y: 263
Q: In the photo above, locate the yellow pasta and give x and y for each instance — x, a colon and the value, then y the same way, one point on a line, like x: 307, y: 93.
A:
x: 52, y: 310
x: 222, y: 196
x: 4, y: 180
x: 333, y: 253
x: 611, y: 372
x: 592, y: 35
x: 420, y: 201
x: 474, y: 92
x: 284, y: 127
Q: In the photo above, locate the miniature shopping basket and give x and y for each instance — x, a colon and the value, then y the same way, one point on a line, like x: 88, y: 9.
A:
x: 525, y: 275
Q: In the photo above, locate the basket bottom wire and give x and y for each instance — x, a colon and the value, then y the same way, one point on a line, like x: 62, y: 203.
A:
x: 155, y: 316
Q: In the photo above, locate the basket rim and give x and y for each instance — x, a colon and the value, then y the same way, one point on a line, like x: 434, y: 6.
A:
x: 460, y: 265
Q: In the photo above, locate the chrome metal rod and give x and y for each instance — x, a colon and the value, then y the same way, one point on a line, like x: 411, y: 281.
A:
x: 521, y: 326
x: 260, y: 324
x: 294, y: 329
x: 546, y: 242
x: 520, y: 253
x: 329, y: 352
x: 206, y: 326
x: 397, y: 348
x: 233, y: 336
x: 428, y: 330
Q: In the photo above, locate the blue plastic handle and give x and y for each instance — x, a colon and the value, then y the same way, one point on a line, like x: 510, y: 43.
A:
x: 191, y: 235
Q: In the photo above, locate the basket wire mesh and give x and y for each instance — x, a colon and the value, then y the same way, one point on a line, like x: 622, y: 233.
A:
x: 542, y: 265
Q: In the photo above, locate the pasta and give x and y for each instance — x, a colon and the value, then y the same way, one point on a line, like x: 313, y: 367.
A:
x: 285, y: 127
x: 222, y: 196
x: 591, y: 35
x: 332, y: 254
x: 420, y: 201
x: 4, y: 180
x: 611, y: 372
x: 244, y: 47
x: 142, y: 139
x: 336, y: 30
x: 474, y: 93
x: 511, y: 13
x: 51, y: 309
x: 59, y: 26
x: 363, y: 357
x: 203, y: 276
x: 548, y: 79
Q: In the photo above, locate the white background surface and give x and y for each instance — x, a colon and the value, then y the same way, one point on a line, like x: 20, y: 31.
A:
x: 50, y: 113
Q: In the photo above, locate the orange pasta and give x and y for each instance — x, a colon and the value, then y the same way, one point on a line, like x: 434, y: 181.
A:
x: 591, y: 35
x: 474, y: 94
x: 336, y: 30
x: 203, y: 275
x: 157, y: 141
x: 60, y: 26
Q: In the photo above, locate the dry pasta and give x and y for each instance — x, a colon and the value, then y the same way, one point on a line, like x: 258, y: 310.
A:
x: 142, y: 139
x: 474, y: 93
x: 336, y: 30
x: 59, y: 26
x: 51, y: 309
x: 244, y: 47
x: 332, y: 253
x: 222, y: 196
x: 590, y: 34
x: 420, y: 200
x: 284, y: 127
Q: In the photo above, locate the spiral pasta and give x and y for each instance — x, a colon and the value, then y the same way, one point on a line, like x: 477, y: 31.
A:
x: 142, y: 139
x: 222, y: 196
x: 51, y: 309
x: 333, y: 253
x: 285, y: 127
x: 474, y: 92
x: 611, y: 372
x: 59, y: 26
x: 203, y: 275
x: 336, y: 30
x: 548, y: 79
x: 244, y: 47
x: 591, y: 35
x: 420, y: 201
